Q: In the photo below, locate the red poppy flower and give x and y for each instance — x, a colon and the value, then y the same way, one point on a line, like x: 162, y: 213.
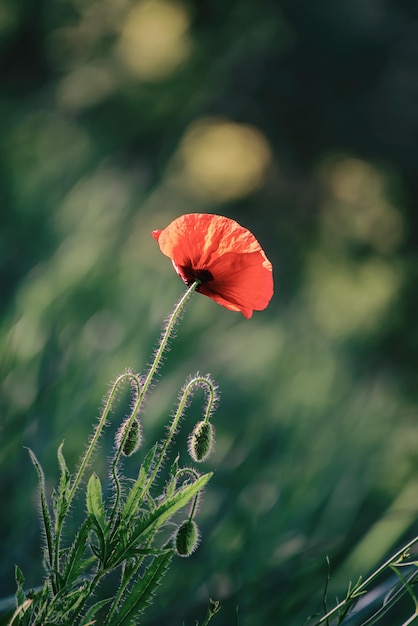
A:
x: 226, y: 258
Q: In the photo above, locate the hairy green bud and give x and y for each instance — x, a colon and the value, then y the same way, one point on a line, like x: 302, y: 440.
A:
x: 186, y: 538
x: 200, y: 442
x: 133, y: 439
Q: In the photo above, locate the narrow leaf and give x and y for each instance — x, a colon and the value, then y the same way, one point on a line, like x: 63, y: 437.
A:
x: 20, y: 581
x: 46, y: 517
x: 95, y: 506
x: 93, y: 610
x: 163, y: 512
x: 65, y: 474
x: 148, y: 462
x: 133, y: 499
x: 151, y: 521
x: 75, y: 563
x: 172, y: 483
x: 141, y: 592
x: 20, y: 613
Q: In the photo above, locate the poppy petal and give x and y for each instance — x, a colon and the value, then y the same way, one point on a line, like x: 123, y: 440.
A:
x: 200, y: 238
x: 226, y: 257
x: 245, y: 280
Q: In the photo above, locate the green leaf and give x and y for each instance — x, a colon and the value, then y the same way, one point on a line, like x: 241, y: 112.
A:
x: 136, y: 552
x: 65, y: 473
x: 134, y: 498
x: 68, y: 602
x: 46, y: 517
x: 96, y: 510
x: 172, y: 504
x: 172, y: 483
x: 60, y: 496
x: 20, y: 581
x: 141, y: 592
x: 149, y: 459
x: 175, y: 466
x: 153, y: 520
x: 95, y: 506
x: 93, y: 610
x: 75, y: 564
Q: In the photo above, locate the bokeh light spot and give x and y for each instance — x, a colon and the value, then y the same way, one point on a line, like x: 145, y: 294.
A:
x: 347, y: 298
x: 85, y: 86
x: 154, y: 39
x: 223, y: 160
x: 357, y: 207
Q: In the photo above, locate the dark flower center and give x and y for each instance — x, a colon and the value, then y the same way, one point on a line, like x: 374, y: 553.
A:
x: 190, y: 275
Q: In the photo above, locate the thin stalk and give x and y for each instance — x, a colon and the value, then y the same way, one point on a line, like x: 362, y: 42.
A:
x: 86, y: 459
x: 93, y: 584
x: 172, y: 320
x: 167, y: 334
x: 366, y: 583
x: 134, y: 413
x: 179, y: 412
x: 195, y: 474
x: 124, y: 584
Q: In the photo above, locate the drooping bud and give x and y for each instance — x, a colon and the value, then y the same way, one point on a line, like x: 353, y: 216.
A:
x: 133, y: 439
x: 187, y: 538
x: 200, y: 442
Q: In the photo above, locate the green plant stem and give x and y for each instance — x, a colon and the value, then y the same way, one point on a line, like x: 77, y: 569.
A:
x: 134, y: 413
x: 167, y: 334
x: 195, y: 474
x: 54, y: 552
x: 93, y: 584
x: 87, y: 456
x: 179, y: 412
x: 162, y: 345
x: 362, y: 588
x: 172, y: 320
x: 123, y: 585
x: 86, y: 459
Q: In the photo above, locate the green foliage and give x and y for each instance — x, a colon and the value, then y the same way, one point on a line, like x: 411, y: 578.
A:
x: 116, y: 536
x: 75, y: 573
x: 142, y: 591
x: 379, y: 602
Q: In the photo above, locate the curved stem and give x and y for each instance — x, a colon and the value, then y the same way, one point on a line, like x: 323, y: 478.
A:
x: 141, y: 393
x: 134, y: 413
x: 87, y: 456
x: 196, y: 475
x: 179, y: 412
x: 169, y: 328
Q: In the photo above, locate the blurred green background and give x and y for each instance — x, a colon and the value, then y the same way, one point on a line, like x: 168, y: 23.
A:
x: 299, y: 119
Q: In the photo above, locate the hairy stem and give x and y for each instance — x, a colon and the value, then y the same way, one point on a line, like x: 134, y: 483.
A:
x: 179, y: 412
x: 167, y: 334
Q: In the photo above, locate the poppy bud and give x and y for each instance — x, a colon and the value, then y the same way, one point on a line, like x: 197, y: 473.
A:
x: 187, y: 538
x: 133, y: 439
x: 201, y: 441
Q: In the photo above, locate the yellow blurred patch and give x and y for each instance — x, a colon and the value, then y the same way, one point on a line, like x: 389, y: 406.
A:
x: 85, y: 86
x: 222, y: 160
x: 348, y: 298
x: 357, y: 207
x: 155, y: 39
